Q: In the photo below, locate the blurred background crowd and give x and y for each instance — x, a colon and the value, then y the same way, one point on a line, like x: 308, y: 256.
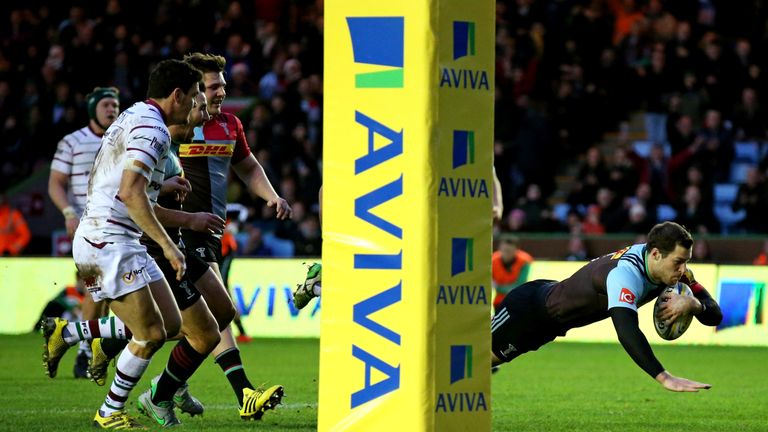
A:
x: 610, y: 115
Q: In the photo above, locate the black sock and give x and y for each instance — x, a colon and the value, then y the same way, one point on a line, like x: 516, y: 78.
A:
x: 112, y: 347
x: 182, y: 363
x: 230, y: 363
x: 239, y: 325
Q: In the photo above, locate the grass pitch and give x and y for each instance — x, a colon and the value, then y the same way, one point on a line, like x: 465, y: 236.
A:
x: 562, y: 387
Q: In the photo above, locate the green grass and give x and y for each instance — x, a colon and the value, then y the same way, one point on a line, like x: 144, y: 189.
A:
x: 562, y: 387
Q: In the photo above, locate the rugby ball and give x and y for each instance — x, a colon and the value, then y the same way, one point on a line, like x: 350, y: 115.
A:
x: 675, y: 329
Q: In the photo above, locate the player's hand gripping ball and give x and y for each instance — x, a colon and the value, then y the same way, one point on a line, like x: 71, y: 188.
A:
x: 676, y: 328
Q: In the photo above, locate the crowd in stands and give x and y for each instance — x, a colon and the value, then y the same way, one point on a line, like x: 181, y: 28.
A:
x: 570, y: 71
x: 567, y: 73
x: 52, y: 54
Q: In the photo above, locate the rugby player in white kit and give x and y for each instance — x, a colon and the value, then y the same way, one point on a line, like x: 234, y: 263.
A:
x: 122, y: 192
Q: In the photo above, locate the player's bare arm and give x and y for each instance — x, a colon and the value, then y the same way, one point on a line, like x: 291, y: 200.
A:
x: 58, y: 183
x: 208, y: 223
x: 252, y: 174
x: 132, y: 193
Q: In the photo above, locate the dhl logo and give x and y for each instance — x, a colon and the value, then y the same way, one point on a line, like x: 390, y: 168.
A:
x: 201, y: 150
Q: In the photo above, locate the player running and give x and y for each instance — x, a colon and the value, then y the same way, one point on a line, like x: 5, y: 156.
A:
x: 219, y: 143
x: 614, y: 285
x: 68, y: 185
x: 126, y: 179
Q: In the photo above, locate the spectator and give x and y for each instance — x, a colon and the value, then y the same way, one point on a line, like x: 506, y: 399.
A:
x: 749, y: 119
x: 695, y: 216
x: 762, y: 257
x: 576, y: 249
x: 752, y: 197
x: 510, y: 266
x: 702, y: 253
x: 14, y: 232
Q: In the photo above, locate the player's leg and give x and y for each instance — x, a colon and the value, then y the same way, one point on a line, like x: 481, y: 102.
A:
x: 200, y: 335
x: 311, y: 287
x: 252, y: 401
x: 226, y: 266
x: 140, y: 311
x: 521, y: 323
x: 60, y: 334
x: 89, y: 310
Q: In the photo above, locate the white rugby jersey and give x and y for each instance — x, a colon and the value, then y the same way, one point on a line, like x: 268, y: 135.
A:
x: 140, y: 134
x: 74, y: 157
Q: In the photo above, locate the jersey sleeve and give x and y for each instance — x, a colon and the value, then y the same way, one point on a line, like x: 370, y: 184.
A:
x: 62, y: 160
x: 147, y: 144
x: 173, y: 166
x: 623, y: 288
x: 241, y: 144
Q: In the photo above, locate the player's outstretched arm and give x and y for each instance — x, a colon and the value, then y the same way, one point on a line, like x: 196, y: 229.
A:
x: 252, y: 174
x: 633, y: 340
x: 677, y: 384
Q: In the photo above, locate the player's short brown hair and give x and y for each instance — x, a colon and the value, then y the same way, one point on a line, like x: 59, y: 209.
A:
x: 169, y: 75
x: 667, y: 235
x: 206, y: 62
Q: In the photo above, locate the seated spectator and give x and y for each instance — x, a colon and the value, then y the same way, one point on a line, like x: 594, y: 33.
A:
x: 693, y: 215
x: 14, y: 232
x: 638, y: 221
x: 749, y: 118
x: 753, y: 199
x: 576, y: 249
x: 716, y: 152
x: 592, y: 224
x: 762, y: 257
x: 701, y: 251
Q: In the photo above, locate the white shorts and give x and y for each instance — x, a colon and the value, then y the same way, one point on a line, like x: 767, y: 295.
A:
x: 112, y: 270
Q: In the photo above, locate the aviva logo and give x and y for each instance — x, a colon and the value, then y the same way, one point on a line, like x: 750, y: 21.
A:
x: 380, y: 42
x: 457, y: 185
x: 463, y: 39
x: 463, y: 148
x: 462, y: 254
x: 461, y: 362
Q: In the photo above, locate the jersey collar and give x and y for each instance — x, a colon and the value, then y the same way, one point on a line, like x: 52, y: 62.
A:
x: 159, y: 108
x: 645, y: 265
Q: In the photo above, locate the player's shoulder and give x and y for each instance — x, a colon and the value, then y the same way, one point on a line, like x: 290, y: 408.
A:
x: 230, y: 119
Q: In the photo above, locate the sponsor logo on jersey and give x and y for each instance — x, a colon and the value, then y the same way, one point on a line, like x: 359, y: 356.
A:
x: 200, y: 251
x: 378, y: 42
x: 206, y: 149
x: 510, y: 349
x: 130, y: 277
x: 626, y: 296
x: 618, y: 254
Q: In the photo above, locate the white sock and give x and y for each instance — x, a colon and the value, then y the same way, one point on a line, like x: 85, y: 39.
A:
x: 127, y: 374
x: 316, y: 289
x: 85, y: 347
x: 107, y: 327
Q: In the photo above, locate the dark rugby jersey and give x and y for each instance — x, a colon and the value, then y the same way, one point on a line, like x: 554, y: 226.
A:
x: 206, y: 160
x: 618, y: 279
x: 172, y: 168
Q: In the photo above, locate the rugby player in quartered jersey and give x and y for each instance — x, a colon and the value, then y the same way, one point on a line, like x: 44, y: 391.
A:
x: 219, y: 144
x: 613, y: 285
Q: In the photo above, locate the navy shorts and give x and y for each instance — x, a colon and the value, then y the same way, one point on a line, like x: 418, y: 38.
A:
x: 204, y: 246
x: 521, y: 322
x: 184, y: 290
